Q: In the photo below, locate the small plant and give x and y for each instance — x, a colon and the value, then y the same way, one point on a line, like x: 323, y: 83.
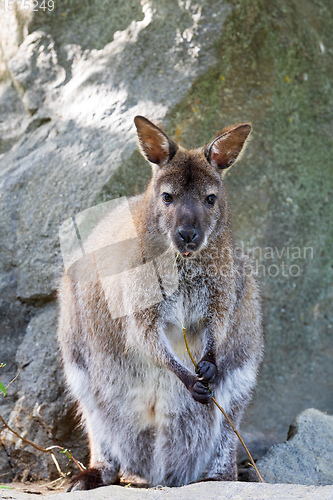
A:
x: 2, y: 387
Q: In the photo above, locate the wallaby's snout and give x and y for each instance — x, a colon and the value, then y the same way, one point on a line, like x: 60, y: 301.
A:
x: 187, y: 233
x: 187, y: 239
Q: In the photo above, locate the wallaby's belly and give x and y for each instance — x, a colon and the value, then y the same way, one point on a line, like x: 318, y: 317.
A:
x: 148, y: 419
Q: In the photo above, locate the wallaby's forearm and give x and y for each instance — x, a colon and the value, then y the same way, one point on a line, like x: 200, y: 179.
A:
x: 156, y: 345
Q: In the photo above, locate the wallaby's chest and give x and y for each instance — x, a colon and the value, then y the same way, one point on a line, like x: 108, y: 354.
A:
x: 188, y: 307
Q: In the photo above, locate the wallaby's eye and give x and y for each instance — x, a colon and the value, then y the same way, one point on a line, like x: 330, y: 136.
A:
x: 167, y: 198
x: 210, y: 200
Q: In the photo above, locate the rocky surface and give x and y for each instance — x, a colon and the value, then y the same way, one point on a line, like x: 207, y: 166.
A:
x: 307, y: 456
x: 204, y: 491
x: 41, y: 413
x: 71, y: 81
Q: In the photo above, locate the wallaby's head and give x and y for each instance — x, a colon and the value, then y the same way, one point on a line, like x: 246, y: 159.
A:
x: 187, y: 185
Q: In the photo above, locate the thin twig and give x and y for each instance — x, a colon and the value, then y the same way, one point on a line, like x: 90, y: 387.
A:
x: 61, y: 474
x: 79, y: 464
x: 188, y: 348
x: 40, y: 448
x: 224, y: 414
x: 37, y: 446
x: 53, y: 484
x: 241, y: 440
x: 13, y: 380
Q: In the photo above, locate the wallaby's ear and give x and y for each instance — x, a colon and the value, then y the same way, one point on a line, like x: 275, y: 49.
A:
x: 226, y: 149
x: 155, y: 145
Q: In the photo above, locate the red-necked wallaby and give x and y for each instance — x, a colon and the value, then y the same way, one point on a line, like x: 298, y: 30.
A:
x: 152, y: 263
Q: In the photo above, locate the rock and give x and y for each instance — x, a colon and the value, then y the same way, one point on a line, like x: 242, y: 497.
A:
x: 5, y: 468
x: 13, y: 117
x: 14, y: 22
x: 40, y: 413
x: 88, y: 139
x: 200, y: 491
x: 307, y: 455
x: 14, y: 318
x: 35, y: 70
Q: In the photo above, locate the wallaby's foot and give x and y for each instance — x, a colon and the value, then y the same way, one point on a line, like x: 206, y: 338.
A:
x: 201, y: 393
x: 86, y: 480
x: 206, y: 372
x: 228, y: 472
x: 228, y: 476
x: 92, y: 478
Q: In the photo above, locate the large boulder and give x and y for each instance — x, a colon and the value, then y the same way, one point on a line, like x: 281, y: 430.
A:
x: 306, y: 457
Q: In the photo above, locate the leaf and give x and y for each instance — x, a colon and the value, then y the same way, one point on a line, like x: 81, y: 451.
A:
x: 2, y: 389
x: 5, y: 487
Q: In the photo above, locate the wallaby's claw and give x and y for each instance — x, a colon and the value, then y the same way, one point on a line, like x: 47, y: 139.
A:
x: 201, y: 393
x: 206, y: 372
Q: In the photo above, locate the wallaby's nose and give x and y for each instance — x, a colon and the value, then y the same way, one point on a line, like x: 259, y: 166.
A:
x: 187, y: 234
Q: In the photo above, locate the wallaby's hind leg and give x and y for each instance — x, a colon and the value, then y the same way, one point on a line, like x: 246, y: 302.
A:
x: 223, y: 466
x: 103, y: 468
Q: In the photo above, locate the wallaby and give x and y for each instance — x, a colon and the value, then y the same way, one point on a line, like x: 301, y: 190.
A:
x: 145, y: 411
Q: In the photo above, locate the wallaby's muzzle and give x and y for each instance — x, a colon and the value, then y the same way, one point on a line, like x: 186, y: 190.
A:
x: 187, y: 239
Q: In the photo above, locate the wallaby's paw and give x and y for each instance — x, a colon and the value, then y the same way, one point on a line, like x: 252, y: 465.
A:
x: 201, y: 393
x: 87, y: 480
x: 206, y: 372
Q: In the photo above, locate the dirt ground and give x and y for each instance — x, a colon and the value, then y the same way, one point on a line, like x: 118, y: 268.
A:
x: 59, y: 486
x: 36, y: 488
